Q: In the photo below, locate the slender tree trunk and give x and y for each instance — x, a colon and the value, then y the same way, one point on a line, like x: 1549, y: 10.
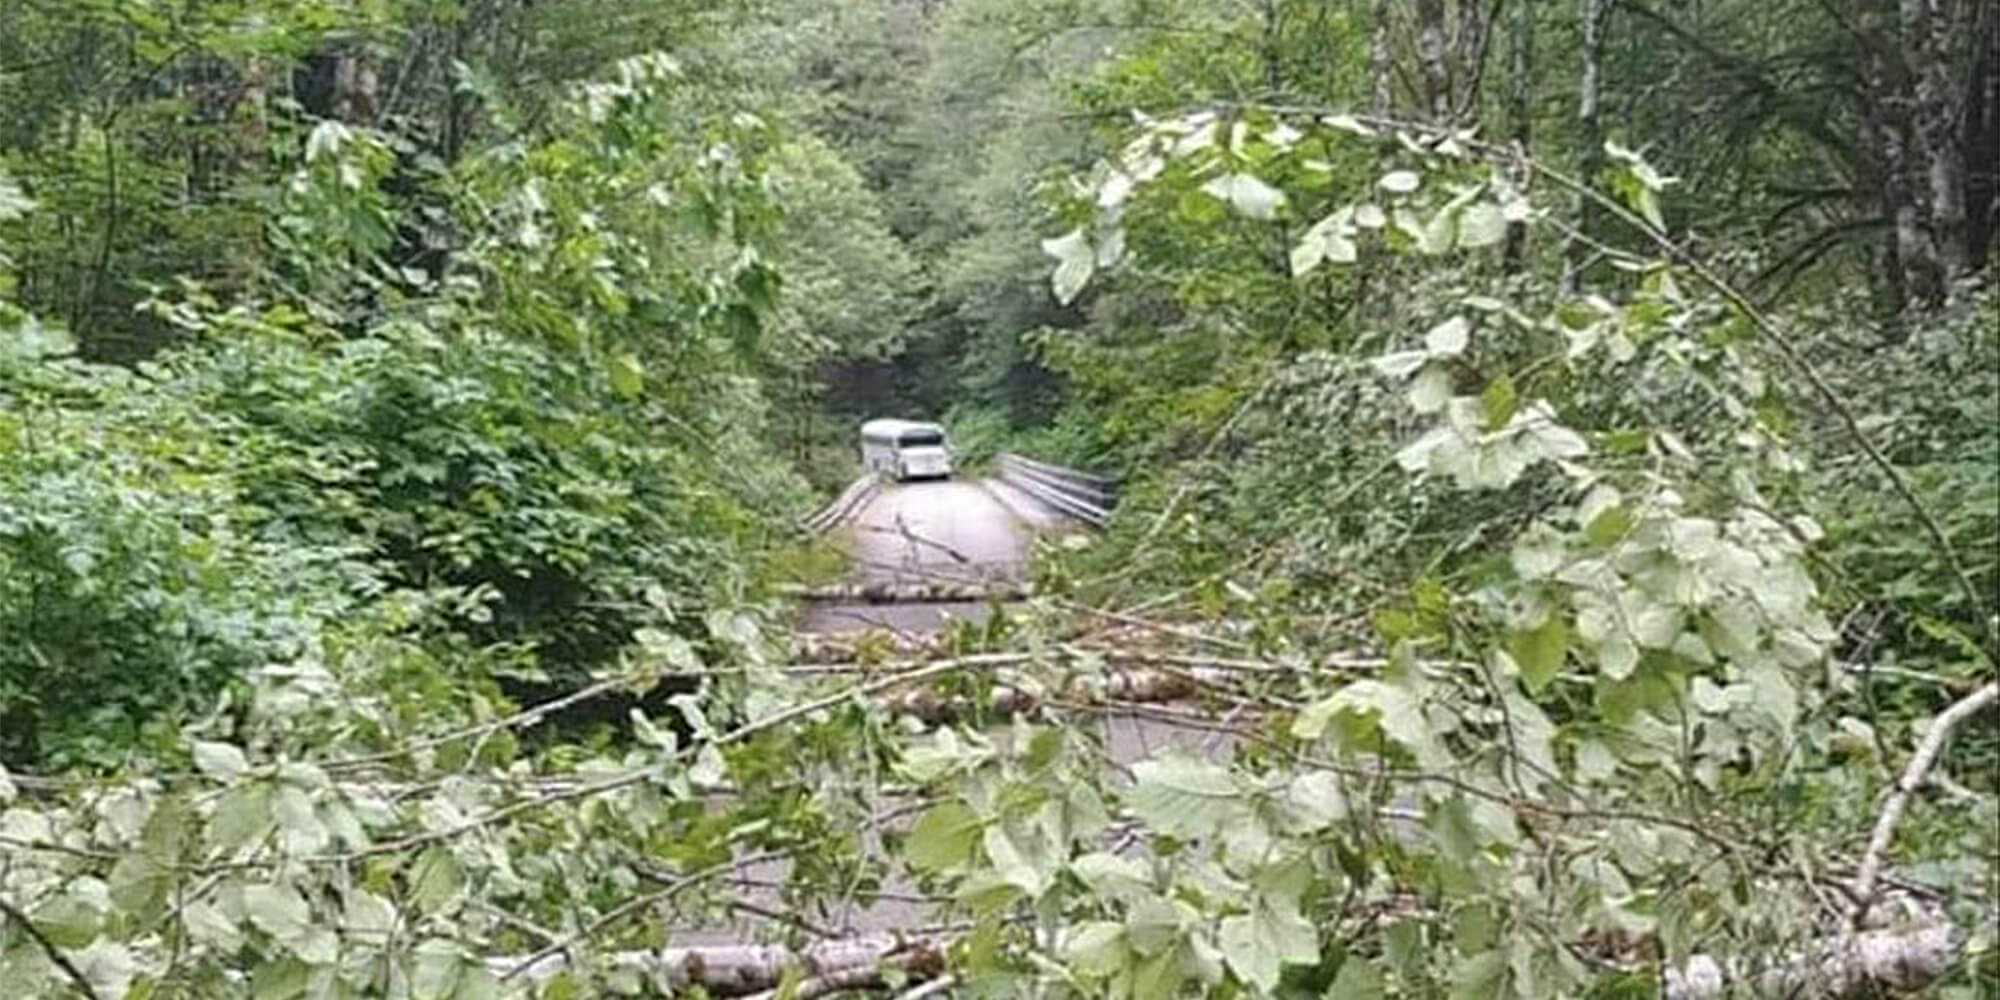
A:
x: 1901, y: 154
x: 1470, y: 43
x: 1433, y: 58
x: 1590, y: 134
x: 1274, y: 69
x: 1982, y: 140
x: 1929, y: 33
x: 1380, y: 96
x: 356, y: 87
x: 1520, y: 110
x: 1891, y: 293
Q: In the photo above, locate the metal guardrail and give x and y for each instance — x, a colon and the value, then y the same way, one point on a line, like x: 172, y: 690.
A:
x: 849, y: 500
x: 1081, y: 495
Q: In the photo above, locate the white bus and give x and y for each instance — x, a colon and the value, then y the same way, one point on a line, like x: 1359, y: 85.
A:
x: 905, y: 449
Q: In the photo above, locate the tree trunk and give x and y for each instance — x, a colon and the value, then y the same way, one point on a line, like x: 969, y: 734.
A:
x: 1891, y: 294
x: 1937, y: 162
x: 1859, y: 965
x: 1474, y: 34
x: 1432, y: 58
x: 1590, y: 135
x: 1982, y: 140
x: 1520, y: 111
x: 1380, y: 97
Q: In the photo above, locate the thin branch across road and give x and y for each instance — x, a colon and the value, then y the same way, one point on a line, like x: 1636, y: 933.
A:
x: 921, y: 553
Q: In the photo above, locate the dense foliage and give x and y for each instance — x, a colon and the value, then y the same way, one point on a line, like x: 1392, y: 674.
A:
x: 1561, y: 484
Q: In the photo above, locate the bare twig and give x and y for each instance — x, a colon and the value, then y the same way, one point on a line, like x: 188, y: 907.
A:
x: 635, y: 905
x: 930, y: 989
x: 641, y: 775
x: 779, y: 916
x: 1912, y: 779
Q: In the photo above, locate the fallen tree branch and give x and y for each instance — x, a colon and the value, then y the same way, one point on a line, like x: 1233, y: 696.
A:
x: 1851, y: 965
x: 560, y: 949
x: 933, y: 592
x: 753, y: 970
x: 1906, y: 786
x: 930, y: 989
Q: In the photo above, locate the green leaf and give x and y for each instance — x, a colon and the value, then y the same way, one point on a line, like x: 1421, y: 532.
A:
x: 1594, y: 761
x: 140, y: 885
x: 1316, y: 800
x: 293, y: 809
x: 435, y: 881
x: 1539, y: 651
x: 277, y: 910
x: 208, y: 924
x: 1439, y: 232
x: 943, y: 838
x: 1431, y: 389
x: 1451, y: 824
x: 284, y: 979
x: 369, y: 917
x: 987, y: 892
x: 1479, y: 977
x: 220, y: 761
x: 109, y: 966
x: 627, y: 373
x: 167, y: 828
x: 1185, y: 797
x: 1359, y: 979
x: 1448, y: 339
x: 1159, y: 977
x: 68, y: 921
x: 1097, y: 948
x: 1246, y: 194
x: 1499, y: 402
x: 1022, y: 857
x: 1480, y: 224
x: 1113, y: 877
x: 1257, y: 946
x: 241, y: 817
x: 1400, y: 181
x: 13, y: 203
x: 1617, y: 656
x: 1153, y: 925
x: 1367, y: 703
x: 437, y: 970
x: 1311, y: 249
x: 1400, y: 363
x: 1076, y: 261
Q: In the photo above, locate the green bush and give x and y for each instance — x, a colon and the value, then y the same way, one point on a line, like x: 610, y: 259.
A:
x: 135, y: 580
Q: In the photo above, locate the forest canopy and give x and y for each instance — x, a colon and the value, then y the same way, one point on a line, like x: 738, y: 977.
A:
x: 1556, y: 451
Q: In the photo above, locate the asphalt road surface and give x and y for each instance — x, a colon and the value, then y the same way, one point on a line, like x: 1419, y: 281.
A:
x: 951, y: 530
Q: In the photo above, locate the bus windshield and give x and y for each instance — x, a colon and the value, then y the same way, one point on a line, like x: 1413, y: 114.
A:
x: 910, y: 439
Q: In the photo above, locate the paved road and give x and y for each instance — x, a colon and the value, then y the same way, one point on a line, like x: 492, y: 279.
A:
x: 979, y: 530
x: 917, y: 532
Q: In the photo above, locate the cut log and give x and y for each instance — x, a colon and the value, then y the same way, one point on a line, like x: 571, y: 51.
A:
x: 741, y: 969
x: 910, y: 593
x: 1852, y: 965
